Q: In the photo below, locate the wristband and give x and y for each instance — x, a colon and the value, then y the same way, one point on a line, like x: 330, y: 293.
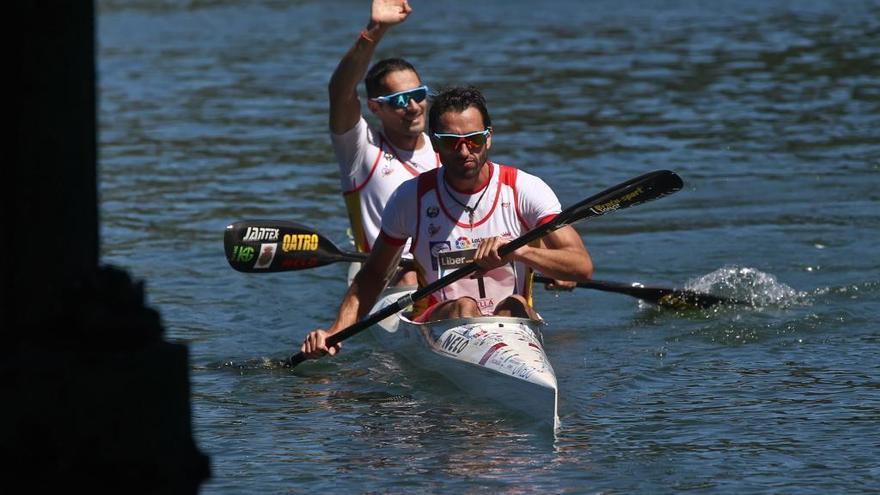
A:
x: 366, y: 36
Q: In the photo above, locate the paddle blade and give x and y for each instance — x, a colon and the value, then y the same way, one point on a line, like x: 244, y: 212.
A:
x: 638, y: 190
x: 680, y: 299
x: 686, y: 299
x: 665, y: 297
x: 266, y: 246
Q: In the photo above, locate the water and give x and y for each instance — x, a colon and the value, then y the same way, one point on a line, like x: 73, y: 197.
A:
x: 215, y: 111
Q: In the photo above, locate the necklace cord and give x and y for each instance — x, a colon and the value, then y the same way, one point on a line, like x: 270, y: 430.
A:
x: 470, y: 210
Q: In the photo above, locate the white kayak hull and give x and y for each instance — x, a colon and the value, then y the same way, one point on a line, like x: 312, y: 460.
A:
x: 501, y: 359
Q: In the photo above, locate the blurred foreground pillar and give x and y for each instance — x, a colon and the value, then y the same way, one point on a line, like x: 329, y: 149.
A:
x: 93, y: 397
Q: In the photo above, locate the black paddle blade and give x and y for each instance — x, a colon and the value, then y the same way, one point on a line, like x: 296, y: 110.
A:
x: 664, y: 297
x: 638, y: 190
x: 266, y: 246
x: 686, y: 299
x: 680, y: 299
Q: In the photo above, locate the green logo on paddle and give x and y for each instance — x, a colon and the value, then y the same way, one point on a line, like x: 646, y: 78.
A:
x: 242, y: 254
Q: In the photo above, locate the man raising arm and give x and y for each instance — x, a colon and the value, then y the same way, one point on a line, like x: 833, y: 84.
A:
x: 373, y: 161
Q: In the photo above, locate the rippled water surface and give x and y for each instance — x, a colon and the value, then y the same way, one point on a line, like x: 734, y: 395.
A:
x: 215, y: 111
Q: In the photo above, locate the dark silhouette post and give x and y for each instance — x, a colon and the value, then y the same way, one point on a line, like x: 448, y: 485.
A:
x: 93, y: 397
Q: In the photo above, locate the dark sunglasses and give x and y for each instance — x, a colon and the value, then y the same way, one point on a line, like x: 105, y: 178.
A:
x: 473, y: 140
x: 401, y: 99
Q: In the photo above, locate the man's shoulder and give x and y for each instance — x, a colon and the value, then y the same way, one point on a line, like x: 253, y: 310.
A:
x: 517, y: 173
x: 526, y: 184
x: 412, y: 189
x: 402, y: 203
x: 362, y: 132
x: 515, y: 176
x: 422, y: 182
x: 409, y: 186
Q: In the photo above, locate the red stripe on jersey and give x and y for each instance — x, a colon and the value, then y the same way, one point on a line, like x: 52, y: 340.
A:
x: 393, y: 241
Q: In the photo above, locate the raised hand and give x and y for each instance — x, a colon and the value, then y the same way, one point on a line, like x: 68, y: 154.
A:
x: 390, y: 12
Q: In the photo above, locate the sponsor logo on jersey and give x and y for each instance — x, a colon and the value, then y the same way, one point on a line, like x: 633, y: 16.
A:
x: 438, y: 247
x: 451, y: 260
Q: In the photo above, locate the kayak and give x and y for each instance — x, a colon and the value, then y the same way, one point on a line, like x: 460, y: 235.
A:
x: 501, y: 359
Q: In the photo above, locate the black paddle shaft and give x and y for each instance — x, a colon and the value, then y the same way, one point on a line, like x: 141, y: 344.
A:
x: 661, y: 296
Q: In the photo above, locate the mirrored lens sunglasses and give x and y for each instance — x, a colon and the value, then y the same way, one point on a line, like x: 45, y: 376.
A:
x: 401, y: 99
x: 473, y: 140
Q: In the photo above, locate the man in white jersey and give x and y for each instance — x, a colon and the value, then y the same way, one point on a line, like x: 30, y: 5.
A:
x: 374, y: 161
x: 464, y: 211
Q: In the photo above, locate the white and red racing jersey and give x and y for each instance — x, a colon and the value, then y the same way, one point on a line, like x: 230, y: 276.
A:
x: 445, y: 235
x: 371, y: 168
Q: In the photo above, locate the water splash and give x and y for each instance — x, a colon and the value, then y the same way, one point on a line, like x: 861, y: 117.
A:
x: 748, y: 285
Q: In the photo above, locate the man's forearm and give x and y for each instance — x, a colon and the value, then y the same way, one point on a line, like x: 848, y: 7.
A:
x: 361, y: 297
x: 353, y: 66
x: 560, y: 263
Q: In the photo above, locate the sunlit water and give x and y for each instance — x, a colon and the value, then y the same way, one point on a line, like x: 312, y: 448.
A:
x: 215, y: 111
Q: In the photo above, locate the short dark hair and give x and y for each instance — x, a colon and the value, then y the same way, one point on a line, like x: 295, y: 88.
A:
x: 374, y: 79
x: 457, y: 99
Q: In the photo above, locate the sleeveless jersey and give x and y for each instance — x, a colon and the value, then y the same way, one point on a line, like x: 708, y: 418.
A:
x: 445, y: 236
x: 370, y: 170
